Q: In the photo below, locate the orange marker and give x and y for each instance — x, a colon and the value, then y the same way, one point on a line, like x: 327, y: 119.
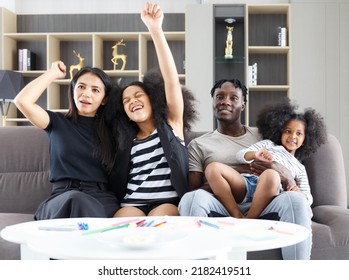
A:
x: 160, y: 224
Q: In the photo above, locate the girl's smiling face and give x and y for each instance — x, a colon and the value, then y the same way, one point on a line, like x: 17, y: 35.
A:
x: 136, y: 104
x: 293, y: 135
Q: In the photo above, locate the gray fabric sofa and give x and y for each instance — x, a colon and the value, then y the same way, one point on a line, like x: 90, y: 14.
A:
x: 24, y: 170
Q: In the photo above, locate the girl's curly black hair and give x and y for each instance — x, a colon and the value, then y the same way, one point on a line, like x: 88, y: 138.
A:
x: 273, y: 118
x: 153, y: 85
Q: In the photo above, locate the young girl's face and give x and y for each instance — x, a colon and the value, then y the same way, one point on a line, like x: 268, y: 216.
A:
x: 136, y: 104
x: 293, y: 135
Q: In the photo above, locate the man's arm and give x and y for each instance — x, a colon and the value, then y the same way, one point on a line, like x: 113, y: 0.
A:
x: 195, y: 181
x: 257, y: 167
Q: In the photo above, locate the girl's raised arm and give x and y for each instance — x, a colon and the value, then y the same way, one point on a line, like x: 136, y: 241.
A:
x: 152, y: 16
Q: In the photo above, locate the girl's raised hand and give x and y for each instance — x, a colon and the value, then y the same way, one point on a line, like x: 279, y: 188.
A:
x: 152, y: 15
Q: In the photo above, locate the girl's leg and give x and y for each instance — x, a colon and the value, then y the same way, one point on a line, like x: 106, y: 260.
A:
x: 267, y: 188
x: 227, y: 185
x: 167, y: 209
x: 129, y: 211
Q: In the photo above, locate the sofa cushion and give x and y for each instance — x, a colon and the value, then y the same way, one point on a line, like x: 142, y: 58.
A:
x: 21, y: 192
x: 9, y: 250
x: 24, y: 169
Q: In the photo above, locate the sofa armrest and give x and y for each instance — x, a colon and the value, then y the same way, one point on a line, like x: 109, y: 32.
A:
x: 331, y: 215
x: 337, y: 220
x: 326, y: 174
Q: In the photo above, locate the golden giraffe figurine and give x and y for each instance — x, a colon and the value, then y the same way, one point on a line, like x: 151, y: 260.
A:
x: 76, y: 66
x: 229, y: 43
x: 117, y: 56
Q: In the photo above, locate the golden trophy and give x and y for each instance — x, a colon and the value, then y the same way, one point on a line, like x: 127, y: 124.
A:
x: 229, y: 41
x: 76, y: 66
x: 117, y: 56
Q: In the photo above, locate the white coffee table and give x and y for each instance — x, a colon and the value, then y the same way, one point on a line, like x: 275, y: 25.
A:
x: 179, y: 238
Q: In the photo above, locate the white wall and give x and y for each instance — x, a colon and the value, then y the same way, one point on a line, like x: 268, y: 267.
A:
x: 106, y: 6
x: 9, y: 4
x: 89, y: 6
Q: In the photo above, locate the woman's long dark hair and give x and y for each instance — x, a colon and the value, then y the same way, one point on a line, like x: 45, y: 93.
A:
x: 153, y: 85
x: 273, y: 118
x: 104, y: 147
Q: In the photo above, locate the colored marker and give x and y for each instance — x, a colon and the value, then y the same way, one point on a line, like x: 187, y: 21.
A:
x: 125, y: 222
x: 140, y: 223
x: 160, y: 224
x: 208, y: 224
x: 149, y: 224
x: 105, y: 229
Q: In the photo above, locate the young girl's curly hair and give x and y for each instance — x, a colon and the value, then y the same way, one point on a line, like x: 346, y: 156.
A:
x: 273, y: 118
x: 153, y: 86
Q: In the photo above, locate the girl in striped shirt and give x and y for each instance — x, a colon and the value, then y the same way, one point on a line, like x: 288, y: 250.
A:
x: 151, y: 171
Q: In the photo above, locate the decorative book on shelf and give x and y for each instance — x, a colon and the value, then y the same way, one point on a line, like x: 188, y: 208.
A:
x: 26, y: 60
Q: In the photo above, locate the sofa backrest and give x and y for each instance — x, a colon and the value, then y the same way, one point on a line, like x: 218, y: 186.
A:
x: 326, y: 174
x: 325, y: 171
x: 24, y: 169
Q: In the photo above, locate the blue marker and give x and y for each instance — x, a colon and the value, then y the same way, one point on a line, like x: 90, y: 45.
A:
x: 209, y: 224
x: 149, y: 224
x: 83, y: 226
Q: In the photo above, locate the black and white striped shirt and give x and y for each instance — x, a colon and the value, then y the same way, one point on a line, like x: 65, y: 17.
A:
x: 282, y: 156
x: 149, y: 178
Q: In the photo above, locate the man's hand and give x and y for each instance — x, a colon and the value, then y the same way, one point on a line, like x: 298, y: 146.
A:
x: 293, y: 188
x: 257, y: 167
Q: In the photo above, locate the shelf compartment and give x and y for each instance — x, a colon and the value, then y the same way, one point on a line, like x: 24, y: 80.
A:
x: 235, y: 59
x: 12, y: 42
x: 268, y: 88
x: 268, y: 50
x: 272, y: 69
x: 268, y: 9
x: 256, y: 101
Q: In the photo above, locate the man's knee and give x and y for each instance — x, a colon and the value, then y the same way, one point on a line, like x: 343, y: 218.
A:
x: 193, y: 196
x: 292, y: 199
x: 293, y: 207
x: 297, y: 200
x: 194, y: 202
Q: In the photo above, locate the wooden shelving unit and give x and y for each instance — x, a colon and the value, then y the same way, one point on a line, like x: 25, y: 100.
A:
x: 255, y: 38
x: 95, y: 47
x: 273, y: 61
